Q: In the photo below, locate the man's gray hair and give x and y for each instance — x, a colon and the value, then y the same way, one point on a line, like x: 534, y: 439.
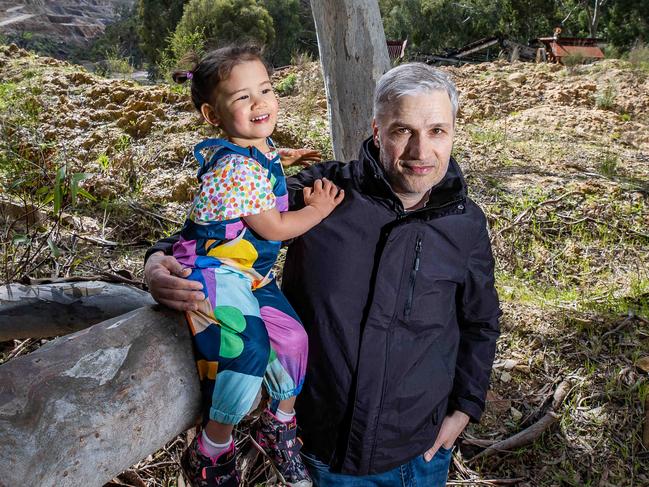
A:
x: 412, y: 79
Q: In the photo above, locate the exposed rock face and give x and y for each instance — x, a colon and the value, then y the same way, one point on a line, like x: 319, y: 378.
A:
x: 71, y: 21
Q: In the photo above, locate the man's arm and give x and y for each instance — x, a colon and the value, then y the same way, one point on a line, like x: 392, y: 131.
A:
x: 478, y: 313
x: 168, y: 285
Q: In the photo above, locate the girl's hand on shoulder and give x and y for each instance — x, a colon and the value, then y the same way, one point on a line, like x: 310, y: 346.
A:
x: 324, y: 196
x: 302, y: 157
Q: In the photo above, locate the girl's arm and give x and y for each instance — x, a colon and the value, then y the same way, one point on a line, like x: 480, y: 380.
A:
x: 302, y: 157
x: 320, y: 201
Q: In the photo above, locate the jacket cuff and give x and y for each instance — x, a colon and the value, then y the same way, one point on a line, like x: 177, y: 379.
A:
x: 166, y: 246
x: 466, y: 406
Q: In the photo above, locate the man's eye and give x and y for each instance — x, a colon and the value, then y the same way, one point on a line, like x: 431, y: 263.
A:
x: 403, y: 130
x: 438, y: 131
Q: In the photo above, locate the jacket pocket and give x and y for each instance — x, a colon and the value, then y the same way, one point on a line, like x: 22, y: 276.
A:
x: 413, y: 278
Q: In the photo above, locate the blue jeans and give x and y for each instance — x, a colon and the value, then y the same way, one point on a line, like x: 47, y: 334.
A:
x: 416, y: 473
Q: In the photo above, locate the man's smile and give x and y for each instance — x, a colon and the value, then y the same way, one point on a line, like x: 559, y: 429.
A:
x: 419, y: 169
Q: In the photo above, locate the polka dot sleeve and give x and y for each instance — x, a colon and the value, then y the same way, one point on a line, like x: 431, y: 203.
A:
x: 237, y: 186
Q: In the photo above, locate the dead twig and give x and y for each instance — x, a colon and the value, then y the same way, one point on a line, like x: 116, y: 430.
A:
x: 645, y: 432
x: 531, y: 433
x: 133, y: 205
x: 19, y: 349
x: 486, y: 481
x: 522, y: 215
x: 624, y: 324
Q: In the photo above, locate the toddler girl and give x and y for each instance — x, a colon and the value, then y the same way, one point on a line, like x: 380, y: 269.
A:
x: 245, y: 331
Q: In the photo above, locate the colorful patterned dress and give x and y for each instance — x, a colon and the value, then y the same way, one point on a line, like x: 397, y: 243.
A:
x: 245, y: 331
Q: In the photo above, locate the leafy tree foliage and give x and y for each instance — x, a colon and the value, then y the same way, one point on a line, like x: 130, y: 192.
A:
x: 157, y: 21
x: 628, y: 23
x: 121, y: 38
x: 226, y: 21
x: 436, y: 25
x: 286, y: 22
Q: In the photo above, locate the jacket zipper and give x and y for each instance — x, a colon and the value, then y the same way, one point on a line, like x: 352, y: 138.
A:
x: 401, y: 216
x: 413, y: 278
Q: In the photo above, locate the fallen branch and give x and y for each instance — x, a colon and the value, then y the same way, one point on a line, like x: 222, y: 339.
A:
x: 530, y: 434
x: 645, y: 432
x: 532, y: 209
x: 61, y: 308
x: 85, y: 407
x: 474, y: 482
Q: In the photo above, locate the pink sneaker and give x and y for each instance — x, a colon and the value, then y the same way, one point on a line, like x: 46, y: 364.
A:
x: 201, y: 471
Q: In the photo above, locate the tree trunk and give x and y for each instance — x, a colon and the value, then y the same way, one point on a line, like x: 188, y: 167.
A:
x: 85, y: 407
x: 354, y: 55
x: 58, y: 309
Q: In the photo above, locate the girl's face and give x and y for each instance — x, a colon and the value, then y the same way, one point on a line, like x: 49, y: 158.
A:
x: 245, y: 106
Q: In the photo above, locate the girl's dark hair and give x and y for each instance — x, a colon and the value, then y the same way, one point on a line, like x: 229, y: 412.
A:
x: 213, y: 67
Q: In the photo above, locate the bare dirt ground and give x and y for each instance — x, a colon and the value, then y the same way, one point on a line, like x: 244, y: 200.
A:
x: 557, y: 158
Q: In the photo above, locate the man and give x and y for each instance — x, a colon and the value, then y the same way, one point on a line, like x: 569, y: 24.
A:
x: 396, y: 291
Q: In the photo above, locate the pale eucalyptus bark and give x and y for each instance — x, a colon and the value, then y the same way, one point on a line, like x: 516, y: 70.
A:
x: 354, y: 55
x: 87, y: 406
x: 49, y: 310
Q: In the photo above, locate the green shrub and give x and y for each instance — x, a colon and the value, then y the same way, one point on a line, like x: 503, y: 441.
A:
x: 612, y: 52
x: 117, y: 64
x: 572, y: 61
x: 226, y: 21
x: 300, y: 58
x: 609, y: 164
x: 286, y: 86
x: 605, y: 100
x: 639, y: 58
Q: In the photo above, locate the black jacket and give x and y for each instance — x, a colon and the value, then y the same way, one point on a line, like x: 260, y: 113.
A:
x: 401, y: 313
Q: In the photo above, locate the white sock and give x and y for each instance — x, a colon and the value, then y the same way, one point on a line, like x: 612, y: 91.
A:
x: 212, y: 449
x: 284, y: 417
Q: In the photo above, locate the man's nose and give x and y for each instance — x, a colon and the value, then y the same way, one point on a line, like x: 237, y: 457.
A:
x: 419, y: 148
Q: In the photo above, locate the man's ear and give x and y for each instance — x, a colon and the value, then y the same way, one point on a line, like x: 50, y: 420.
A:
x: 375, y: 133
x: 209, y: 114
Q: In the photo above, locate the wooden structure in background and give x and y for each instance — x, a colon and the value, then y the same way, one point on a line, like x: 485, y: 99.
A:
x: 558, y: 48
x: 397, y: 49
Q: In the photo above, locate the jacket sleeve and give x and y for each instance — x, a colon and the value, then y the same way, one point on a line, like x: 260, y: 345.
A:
x: 306, y: 178
x: 165, y: 245
x: 478, y: 314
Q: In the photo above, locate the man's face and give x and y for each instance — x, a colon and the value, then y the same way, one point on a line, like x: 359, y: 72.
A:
x: 415, y: 139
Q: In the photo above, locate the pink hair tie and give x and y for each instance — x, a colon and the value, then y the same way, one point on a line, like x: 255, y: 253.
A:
x: 190, y: 75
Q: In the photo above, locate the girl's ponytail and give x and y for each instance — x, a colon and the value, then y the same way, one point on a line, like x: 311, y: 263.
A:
x: 190, y: 59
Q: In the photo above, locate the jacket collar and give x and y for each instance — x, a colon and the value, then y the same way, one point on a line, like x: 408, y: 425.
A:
x: 452, y: 187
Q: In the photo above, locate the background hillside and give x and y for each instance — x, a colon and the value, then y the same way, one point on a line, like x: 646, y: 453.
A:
x: 92, y: 170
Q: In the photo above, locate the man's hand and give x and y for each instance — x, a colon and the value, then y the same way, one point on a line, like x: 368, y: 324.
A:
x: 167, y: 284
x: 303, y: 157
x: 451, y: 428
